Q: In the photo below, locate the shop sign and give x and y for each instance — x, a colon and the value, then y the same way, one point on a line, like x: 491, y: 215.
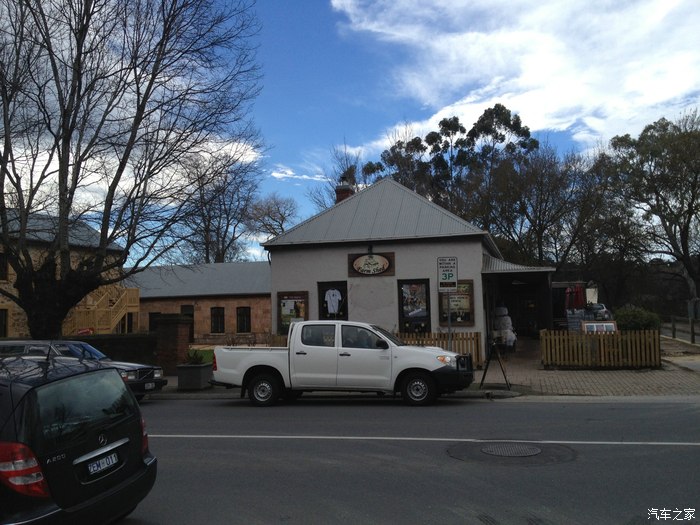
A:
x: 368, y: 264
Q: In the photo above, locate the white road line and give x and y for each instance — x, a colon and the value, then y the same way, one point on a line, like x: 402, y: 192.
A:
x: 420, y: 439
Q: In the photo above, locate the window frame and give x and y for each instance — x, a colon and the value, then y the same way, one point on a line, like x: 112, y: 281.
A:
x: 217, y: 320
x: 245, y: 313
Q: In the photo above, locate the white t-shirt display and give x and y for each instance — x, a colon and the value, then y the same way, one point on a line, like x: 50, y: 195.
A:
x: 333, y: 299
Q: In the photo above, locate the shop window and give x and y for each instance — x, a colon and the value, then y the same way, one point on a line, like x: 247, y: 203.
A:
x: 333, y: 300
x: 460, y: 308
x: 217, y: 320
x: 291, y: 306
x: 243, y: 320
x: 414, y: 306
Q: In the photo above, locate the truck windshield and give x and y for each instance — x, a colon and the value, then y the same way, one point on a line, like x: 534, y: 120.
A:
x: 391, y: 337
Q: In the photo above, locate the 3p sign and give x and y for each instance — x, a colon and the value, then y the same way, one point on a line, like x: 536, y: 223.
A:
x: 447, y: 274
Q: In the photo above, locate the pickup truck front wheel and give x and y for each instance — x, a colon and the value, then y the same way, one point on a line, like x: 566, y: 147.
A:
x: 263, y: 390
x: 419, y: 389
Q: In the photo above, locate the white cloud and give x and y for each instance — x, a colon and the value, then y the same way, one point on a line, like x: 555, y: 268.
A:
x: 282, y: 172
x: 595, y: 69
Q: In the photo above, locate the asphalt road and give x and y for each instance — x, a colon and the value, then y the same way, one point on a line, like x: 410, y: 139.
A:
x: 361, y: 461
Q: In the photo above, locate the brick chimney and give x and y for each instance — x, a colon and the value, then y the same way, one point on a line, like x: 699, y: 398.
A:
x: 343, y: 190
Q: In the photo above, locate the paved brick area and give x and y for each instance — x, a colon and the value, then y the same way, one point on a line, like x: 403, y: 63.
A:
x: 526, y: 373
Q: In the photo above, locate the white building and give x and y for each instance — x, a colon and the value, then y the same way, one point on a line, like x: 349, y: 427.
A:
x: 374, y: 256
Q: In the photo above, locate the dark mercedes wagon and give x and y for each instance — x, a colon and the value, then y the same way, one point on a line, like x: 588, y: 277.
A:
x: 73, y: 444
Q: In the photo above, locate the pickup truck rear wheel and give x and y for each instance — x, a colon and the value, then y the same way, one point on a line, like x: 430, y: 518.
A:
x: 263, y: 390
x: 419, y: 389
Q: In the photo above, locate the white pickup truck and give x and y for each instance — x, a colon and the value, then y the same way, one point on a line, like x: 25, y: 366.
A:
x: 341, y: 356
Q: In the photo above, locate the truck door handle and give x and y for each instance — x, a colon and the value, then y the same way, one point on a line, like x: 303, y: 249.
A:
x: 301, y: 352
x: 345, y: 354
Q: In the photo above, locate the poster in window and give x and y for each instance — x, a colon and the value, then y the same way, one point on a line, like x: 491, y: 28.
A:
x: 461, y: 305
x: 333, y: 300
x: 291, y: 307
x: 414, y: 313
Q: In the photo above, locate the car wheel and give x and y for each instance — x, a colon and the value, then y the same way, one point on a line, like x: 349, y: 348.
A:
x: 263, y: 390
x: 419, y: 389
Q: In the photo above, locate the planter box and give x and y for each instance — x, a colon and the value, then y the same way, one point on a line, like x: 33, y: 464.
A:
x: 194, y: 377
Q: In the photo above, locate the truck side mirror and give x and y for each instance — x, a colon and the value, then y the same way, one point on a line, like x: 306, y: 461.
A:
x: 381, y: 343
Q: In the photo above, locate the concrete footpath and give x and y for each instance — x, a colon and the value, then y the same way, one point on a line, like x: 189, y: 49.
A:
x: 679, y: 375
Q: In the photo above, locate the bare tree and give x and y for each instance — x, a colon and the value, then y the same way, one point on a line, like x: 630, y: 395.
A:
x: 102, y: 103
x: 346, y: 166
x: 225, y: 184
x: 272, y: 215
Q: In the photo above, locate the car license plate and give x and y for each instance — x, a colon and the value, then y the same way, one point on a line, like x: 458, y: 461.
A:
x: 103, y: 463
x: 150, y: 386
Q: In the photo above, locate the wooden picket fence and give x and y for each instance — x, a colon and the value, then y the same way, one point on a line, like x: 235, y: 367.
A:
x: 623, y: 349
x: 462, y: 343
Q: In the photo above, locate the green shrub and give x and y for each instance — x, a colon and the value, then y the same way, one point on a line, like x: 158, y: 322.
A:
x: 635, y: 318
x: 199, y: 356
x: 194, y: 357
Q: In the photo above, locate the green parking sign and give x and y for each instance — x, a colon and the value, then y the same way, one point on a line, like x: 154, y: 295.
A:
x: 447, y: 274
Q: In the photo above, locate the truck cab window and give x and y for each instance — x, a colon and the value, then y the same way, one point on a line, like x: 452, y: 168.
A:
x: 318, y: 335
x: 357, y: 337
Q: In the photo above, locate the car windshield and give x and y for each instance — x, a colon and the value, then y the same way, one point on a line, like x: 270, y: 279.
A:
x: 68, y: 408
x: 79, y: 349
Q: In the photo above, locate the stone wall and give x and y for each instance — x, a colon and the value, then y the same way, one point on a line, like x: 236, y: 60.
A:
x: 260, y: 311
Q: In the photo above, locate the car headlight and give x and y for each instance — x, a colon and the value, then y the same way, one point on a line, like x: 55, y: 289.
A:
x: 157, y: 373
x: 448, y: 360
x: 128, y: 375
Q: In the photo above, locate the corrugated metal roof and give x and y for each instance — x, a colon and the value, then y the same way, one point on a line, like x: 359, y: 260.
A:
x: 385, y: 210
x: 236, y: 278
x: 495, y: 265
x: 43, y: 228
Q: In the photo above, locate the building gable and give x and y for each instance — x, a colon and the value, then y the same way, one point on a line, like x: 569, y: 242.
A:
x: 384, y: 211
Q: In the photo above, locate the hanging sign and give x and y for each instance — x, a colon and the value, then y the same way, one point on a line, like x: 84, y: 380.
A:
x: 370, y: 264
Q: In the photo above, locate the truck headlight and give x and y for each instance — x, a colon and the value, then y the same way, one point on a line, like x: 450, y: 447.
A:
x: 448, y: 360
x: 157, y: 373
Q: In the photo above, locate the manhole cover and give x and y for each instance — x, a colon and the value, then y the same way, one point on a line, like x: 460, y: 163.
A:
x: 511, y: 450
x: 512, y: 454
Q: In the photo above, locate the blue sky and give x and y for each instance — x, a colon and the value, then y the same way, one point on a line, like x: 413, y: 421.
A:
x: 352, y: 71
